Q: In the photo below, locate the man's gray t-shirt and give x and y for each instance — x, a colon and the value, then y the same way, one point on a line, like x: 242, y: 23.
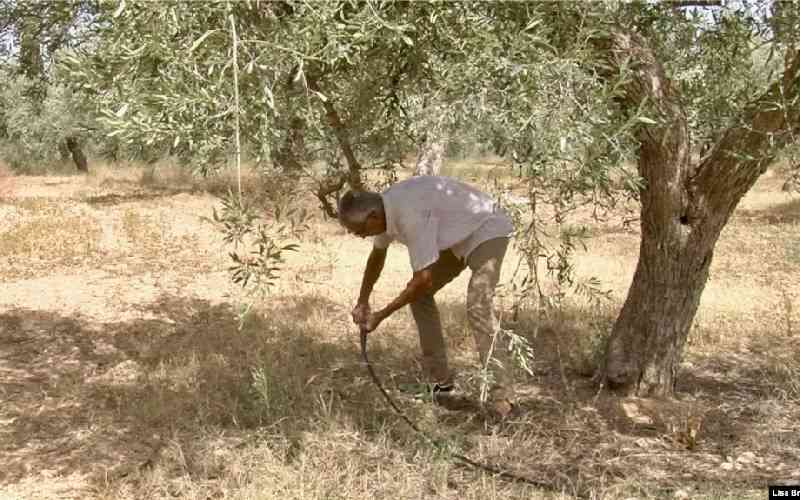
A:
x: 429, y: 214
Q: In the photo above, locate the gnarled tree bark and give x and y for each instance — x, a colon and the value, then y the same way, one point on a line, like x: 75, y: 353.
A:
x: 684, y: 208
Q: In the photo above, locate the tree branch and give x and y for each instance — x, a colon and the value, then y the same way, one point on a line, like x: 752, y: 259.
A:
x: 664, y: 150
x: 747, y: 148
x: 340, y: 131
x: 326, y: 189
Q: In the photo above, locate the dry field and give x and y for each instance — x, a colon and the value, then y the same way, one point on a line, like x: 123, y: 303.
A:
x: 123, y: 374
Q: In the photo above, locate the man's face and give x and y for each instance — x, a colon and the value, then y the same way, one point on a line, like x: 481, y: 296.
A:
x: 372, y: 226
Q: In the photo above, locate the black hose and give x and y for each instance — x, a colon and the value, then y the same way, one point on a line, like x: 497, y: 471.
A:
x: 458, y: 458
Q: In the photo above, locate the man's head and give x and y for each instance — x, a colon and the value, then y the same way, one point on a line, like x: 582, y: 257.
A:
x: 361, y: 213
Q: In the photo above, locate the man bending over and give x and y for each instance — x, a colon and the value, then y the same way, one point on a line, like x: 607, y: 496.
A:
x: 447, y: 225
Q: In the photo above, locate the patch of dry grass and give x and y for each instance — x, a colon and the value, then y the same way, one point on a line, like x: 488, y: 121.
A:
x: 581, y: 334
x: 139, y: 229
x: 782, y: 368
x: 480, y: 170
x: 47, y: 230
x: 265, y: 190
x: 102, y: 173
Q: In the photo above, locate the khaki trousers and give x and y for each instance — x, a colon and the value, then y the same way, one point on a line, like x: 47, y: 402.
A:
x: 485, y: 263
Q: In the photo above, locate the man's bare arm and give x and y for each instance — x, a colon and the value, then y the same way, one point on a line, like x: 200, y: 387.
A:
x: 421, y: 282
x: 372, y: 272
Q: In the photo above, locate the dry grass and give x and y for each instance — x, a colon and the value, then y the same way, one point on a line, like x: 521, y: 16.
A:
x: 6, y: 180
x: 479, y: 170
x: 169, y: 176
x: 47, y: 230
x: 125, y: 376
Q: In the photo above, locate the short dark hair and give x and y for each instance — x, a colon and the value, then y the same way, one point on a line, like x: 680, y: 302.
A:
x: 356, y: 206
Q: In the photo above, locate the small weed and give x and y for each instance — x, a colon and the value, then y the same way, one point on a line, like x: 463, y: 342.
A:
x: 139, y: 229
x: 270, y: 394
x: 782, y: 369
x: 582, y: 335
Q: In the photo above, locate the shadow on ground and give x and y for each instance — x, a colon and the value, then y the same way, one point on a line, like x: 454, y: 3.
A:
x: 101, y: 398
x: 732, y: 424
x: 105, y: 400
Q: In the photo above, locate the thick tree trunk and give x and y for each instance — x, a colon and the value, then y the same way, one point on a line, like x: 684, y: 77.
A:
x: 684, y: 209
x: 647, y: 341
x: 74, y: 147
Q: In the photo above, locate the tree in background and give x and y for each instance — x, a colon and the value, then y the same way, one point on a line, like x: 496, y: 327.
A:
x: 42, y: 118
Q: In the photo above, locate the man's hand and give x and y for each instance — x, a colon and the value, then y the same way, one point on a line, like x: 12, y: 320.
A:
x: 365, y: 318
x: 361, y: 313
x: 372, y: 322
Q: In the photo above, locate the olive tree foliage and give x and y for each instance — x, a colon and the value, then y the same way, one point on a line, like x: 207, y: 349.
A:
x: 318, y: 82
x: 41, y: 119
x: 699, y: 96
x: 35, y: 131
x: 329, y: 91
x: 540, y: 106
x: 323, y: 95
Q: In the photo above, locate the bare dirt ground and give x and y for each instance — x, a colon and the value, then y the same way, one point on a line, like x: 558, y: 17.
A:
x: 123, y: 373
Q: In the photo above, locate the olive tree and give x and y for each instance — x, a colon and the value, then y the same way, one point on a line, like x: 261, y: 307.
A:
x: 679, y: 105
x: 749, y: 112
x: 699, y: 96
x: 41, y: 117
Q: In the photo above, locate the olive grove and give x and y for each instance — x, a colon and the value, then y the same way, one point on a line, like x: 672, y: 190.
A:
x: 678, y: 105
